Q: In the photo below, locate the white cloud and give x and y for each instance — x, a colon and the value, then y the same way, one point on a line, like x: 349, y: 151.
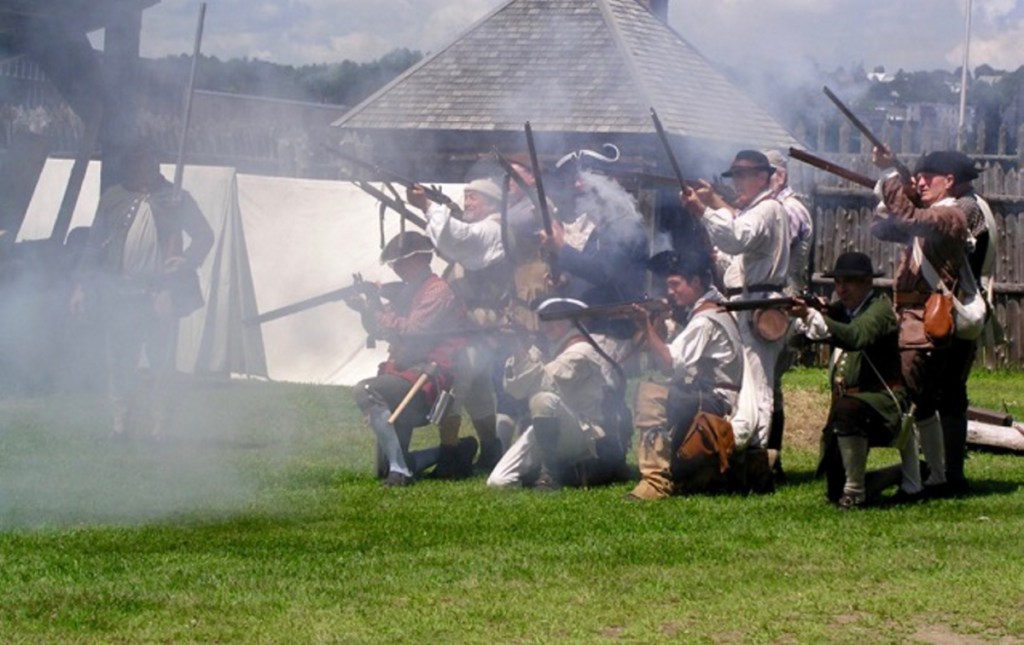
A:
x: 776, y: 35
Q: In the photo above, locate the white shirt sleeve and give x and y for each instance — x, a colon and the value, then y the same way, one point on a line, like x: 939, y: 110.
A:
x: 474, y: 245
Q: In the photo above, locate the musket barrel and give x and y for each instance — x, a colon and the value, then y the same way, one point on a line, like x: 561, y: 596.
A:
x: 828, y: 166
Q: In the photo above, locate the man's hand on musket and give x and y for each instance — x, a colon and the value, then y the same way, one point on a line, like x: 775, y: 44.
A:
x: 416, y: 195
x: 799, y: 309
x: 554, y: 241
x: 883, y: 158
x: 697, y: 198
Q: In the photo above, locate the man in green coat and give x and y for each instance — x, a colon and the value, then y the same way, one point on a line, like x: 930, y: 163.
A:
x: 868, y: 398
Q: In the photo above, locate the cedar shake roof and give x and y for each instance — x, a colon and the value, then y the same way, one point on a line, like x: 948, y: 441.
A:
x: 569, y: 66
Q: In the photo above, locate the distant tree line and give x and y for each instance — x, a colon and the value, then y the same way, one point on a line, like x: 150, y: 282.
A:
x: 344, y: 83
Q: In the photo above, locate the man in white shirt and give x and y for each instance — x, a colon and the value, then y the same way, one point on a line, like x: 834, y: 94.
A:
x: 705, y: 363
x: 752, y: 239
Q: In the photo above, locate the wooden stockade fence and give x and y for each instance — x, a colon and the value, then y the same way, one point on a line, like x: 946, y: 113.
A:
x: 842, y: 215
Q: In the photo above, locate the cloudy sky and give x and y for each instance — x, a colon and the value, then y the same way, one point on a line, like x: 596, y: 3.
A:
x: 774, y: 34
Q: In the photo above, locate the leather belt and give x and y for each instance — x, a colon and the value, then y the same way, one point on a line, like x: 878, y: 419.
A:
x: 910, y: 298
x: 895, y: 387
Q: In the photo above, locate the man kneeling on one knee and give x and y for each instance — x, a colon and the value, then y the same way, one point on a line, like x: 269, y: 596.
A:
x: 706, y: 364
x: 868, y: 398
x: 569, y: 441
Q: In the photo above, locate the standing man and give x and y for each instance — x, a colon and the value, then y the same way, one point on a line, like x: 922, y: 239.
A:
x: 417, y: 324
x: 934, y: 231
x: 868, y: 397
x: 801, y: 237
x: 705, y: 363
x: 137, y: 272
x: 604, y: 249
x: 981, y: 255
x: 479, y: 275
x: 753, y: 240
x: 569, y: 441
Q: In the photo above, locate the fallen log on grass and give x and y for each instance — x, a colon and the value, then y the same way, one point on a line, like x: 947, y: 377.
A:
x: 987, y: 435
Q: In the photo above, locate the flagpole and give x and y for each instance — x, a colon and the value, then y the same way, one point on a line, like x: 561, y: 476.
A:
x: 961, y: 129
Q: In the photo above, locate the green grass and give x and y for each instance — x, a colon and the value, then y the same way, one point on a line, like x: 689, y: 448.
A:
x: 259, y: 521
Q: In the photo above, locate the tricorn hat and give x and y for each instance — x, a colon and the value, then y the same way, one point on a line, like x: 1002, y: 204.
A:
x: 551, y: 306
x: 852, y: 264
x: 404, y: 245
x: 948, y: 162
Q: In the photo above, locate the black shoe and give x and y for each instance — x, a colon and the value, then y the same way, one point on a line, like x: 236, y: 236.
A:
x: 456, y: 462
x: 902, y: 497
x: 938, y: 491
x: 396, y: 479
x: 959, y: 487
x: 850, y: 502
x: 546, y: 483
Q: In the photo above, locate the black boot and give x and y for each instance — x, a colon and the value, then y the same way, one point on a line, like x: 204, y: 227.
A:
x: 546, y: 431
x: 954, y: 440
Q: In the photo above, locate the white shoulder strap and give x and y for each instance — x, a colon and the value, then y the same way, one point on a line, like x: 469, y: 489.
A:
x: 967, y: 283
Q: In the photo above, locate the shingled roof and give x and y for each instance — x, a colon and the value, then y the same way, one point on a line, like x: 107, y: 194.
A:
x: 569, y: 66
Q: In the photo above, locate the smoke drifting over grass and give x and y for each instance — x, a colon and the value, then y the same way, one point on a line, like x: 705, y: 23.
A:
x: 224, y: 444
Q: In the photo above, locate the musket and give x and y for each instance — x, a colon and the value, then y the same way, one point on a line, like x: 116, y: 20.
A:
x: 812, y: 301
x: 702, y: 233
x: 433, y: 194
x: 542, y: 201
x: 828, y: 166
x: 510, y: 170
x: 868, y: 134
x: 392, y: 203
x: 359, y: 285
x: 650, y: 306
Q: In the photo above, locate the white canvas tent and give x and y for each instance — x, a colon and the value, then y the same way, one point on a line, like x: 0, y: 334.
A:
x: 278, y: 240
x: 307, y: 237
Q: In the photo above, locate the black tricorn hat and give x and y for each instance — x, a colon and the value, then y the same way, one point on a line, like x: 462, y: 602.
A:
x: 405, y: 244
x: 853, y: 264
x: 552, y: 306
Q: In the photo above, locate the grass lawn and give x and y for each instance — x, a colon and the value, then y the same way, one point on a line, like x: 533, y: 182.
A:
x: 259, y: 520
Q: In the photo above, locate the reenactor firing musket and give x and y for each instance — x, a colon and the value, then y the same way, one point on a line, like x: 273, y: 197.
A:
x: 542, y: 201
x: 650, y: 306
x: 433, y: 194
x: 835, y: 169
x: 358, y: 286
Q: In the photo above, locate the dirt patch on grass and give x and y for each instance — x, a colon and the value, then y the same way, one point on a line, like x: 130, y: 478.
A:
x: 806, y: 412
x: 943, y: 635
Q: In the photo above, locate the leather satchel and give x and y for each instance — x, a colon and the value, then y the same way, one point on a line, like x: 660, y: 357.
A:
x: 938, y: 316
x: 704, y: 453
